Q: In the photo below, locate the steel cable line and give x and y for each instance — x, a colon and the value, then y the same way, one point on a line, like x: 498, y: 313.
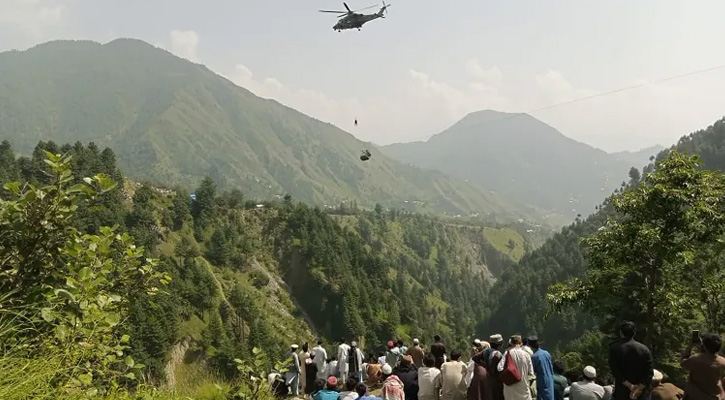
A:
x: 602, y: 94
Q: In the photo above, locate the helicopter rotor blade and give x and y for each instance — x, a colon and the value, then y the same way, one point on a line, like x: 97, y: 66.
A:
x: 335, y: 12
x: 366, y: 8
x: 348, y: 8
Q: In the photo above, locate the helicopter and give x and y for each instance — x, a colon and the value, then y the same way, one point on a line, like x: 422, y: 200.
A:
x: 351, y: 19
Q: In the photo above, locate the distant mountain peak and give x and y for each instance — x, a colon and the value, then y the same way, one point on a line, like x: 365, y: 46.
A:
x: 521, y: 157
x: 485, y: 117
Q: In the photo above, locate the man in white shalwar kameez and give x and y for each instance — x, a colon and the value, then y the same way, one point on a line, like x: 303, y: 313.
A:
x: 343, y: 351
x: 321, y: 360
x: 519, y: 390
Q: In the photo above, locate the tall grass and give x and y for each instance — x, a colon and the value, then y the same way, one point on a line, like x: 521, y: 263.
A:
x: 23, y: 379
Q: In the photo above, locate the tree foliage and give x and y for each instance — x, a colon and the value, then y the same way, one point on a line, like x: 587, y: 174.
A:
x: 646, y: 264
x: 73, y: 289
x: 563, y: 257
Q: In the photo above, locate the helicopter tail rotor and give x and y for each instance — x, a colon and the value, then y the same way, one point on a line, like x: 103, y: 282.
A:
x: 384, y: 9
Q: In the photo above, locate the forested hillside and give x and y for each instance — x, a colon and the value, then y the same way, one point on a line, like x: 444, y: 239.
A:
x: 171, y: 121
x: 521, y: 157
x: 638, y: 158
x: 518, y: 300
x: 246, y: 274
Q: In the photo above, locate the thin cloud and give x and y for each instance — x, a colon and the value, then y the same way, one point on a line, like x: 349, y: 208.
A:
x: 425, y: 105
x: 31, y: 17
x: 185, y: 44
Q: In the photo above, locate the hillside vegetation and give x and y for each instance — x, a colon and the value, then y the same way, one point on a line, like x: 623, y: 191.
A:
x: 522, y: 158
x: 171, y: 121
x: 242, y: 274
x: 518, y: 300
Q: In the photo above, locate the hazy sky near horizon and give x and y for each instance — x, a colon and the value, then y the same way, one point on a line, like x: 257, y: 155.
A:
x: 429, y: 63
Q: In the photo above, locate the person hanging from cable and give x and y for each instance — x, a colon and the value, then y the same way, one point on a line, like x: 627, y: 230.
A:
x: 365, y: 155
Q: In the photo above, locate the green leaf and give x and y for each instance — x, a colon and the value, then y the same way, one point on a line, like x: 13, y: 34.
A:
x: 61, y: 331
x: 128, y: 361
x: 85, y: 273
x: 12, y: 187
x: 47, y: 314
x: 130, y: 375
x: 64, y: 294
x: 81, y: 188
x: 113, y: 319
x: 86, y: 379
x: 125, y: 338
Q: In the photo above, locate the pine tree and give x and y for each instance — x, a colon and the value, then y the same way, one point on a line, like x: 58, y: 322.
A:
x: 203, y: 207
x: 9, y: 170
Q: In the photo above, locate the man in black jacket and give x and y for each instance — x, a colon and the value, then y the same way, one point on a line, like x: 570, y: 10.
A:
x: 439, y: 351
x: 631, y: 364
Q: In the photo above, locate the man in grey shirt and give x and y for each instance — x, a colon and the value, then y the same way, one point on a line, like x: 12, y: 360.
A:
x: 586, y: 389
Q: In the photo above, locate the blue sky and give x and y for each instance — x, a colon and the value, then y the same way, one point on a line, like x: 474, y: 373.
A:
x: 429, y: 63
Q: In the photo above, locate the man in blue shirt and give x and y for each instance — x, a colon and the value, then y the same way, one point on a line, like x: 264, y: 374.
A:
x: 329, y: 392
x: 362, y: 392
x: 544, y: 370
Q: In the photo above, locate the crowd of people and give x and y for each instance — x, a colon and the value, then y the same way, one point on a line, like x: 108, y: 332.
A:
x: 522, y: 370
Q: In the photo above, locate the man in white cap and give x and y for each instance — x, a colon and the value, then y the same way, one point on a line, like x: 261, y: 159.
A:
x: 492, y: 356
x: 355, y: 362
x: 417, y: 353
x: 587, y: 389
x: 292, y: 376
x: 664, y: 391
x: 392, y: 385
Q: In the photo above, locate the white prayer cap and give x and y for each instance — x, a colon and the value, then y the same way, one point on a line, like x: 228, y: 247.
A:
x: 387, y: 369
x: 353, y: 343
x: 657, y: 376
x: 497, y: 338
x: 294, y: 346
x: 477, y: 342
x: 590, y: 372
x: 416, y: 341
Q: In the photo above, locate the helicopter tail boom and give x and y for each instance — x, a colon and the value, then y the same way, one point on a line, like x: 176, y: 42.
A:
x: 383, y: 9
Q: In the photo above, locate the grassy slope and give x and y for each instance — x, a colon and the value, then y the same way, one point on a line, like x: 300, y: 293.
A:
x: 173, y: 121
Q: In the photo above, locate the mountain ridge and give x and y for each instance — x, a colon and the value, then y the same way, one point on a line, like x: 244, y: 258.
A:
x: 520, y: 157
x: 174, y: 121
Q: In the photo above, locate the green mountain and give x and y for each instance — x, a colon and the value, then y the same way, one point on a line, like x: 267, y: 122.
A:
x: 522, y: 158
x: 523, y: 288
x: 248, y: 274
x: 172, y: 121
